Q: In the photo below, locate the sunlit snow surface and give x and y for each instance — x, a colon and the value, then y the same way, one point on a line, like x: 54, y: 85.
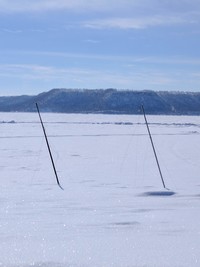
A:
x: 113, y: 211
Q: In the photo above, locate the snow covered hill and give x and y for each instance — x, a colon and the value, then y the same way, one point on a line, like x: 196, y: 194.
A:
x: 110, y: 101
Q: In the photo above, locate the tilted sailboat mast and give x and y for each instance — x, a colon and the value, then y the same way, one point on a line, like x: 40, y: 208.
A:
x: 48, y: 146
x: 154, y: 150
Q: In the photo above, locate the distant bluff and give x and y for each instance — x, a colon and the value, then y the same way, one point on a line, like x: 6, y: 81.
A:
x: 108, y: 101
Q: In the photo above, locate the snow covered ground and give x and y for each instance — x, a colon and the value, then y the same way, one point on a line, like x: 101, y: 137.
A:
x: 106, y: 216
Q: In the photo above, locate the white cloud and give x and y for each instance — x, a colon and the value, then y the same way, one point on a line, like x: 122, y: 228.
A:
x: 123, y: 14
x: 12, y: 31
x: 91, y: 78
x: 91, y: 41
x: 133, y: 6
x: 43, y: 5
x: 134, y: 23
x: 28, y: 71
x: 127, y: 60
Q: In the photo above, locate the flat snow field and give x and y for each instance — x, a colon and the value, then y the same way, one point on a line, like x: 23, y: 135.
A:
x: 113, y: 211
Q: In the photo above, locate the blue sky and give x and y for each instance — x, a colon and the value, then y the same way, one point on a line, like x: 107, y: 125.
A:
x: 124, y: 44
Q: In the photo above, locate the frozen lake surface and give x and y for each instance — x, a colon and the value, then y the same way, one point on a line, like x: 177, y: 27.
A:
x: 113, y: 211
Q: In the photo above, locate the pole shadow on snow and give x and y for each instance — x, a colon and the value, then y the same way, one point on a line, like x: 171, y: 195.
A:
x: 158, y: 194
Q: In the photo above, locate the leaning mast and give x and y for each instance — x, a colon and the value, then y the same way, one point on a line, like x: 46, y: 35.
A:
x: 49, y: 149
x: 154, y: 150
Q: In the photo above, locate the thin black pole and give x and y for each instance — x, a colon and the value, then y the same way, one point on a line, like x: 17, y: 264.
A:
x: 161, y: 176
x: 48, y: 146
